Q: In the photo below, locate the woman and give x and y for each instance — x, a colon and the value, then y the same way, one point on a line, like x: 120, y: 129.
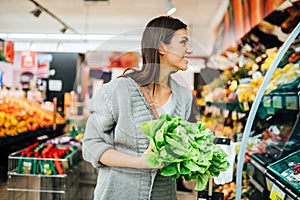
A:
x: 113, y: 139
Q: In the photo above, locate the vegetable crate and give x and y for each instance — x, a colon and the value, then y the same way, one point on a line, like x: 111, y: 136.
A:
x: 36, y: 178
x: 281, y: 175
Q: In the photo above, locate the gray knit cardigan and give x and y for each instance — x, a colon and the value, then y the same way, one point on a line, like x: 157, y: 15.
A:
x: 117, y: 111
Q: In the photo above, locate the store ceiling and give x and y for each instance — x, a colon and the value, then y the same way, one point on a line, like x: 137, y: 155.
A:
x: 112, y: 17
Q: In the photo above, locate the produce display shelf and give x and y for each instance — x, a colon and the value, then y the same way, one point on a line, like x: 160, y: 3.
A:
x: 9, y: 140
x: 232, y: 106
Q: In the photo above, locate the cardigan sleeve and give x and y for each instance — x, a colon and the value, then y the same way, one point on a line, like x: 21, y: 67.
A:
x: 98, y: 135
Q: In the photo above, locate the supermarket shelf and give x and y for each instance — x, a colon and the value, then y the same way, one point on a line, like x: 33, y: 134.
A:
x: 10, y: 140
x: 257, y: 185
x: 233, y: 106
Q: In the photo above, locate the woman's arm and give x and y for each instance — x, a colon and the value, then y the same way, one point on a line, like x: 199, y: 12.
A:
x: 114, y: 158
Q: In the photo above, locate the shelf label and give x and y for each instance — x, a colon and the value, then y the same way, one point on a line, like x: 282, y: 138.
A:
x: 267, y: 101
x: 291, y: 102
x: 277, y: 102
x: 225, y: 113
x: 271, y: 111
x: 246, y: 106
x: 234, y: 115
x: 276, y: 193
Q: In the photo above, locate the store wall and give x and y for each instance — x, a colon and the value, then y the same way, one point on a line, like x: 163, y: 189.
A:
x: 64, y: 67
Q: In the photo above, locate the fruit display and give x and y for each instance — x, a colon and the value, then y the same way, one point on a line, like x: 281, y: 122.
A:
x: 296, y: 169
x: 22, y: 115
x: 250, y: 76
x: 283, y: 76
x: 229, y: 189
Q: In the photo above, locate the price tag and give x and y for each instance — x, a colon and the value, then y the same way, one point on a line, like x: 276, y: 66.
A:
x: 276, y: 193
x: 234, y: 115
x: 246, y: 106
x: 226, y: 113
x: 267, y: 101
x: 291, y: 102
x: 271, y: 111
x: 277, y: 102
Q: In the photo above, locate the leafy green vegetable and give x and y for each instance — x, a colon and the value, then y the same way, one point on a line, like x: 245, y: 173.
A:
x: 184, y: 149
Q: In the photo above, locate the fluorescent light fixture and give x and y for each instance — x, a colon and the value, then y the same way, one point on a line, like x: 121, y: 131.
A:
x: 97, y: 37
x: 3, y: 35
x: 26, y: 36
x: 170, y: 7
x: 64, y: 37
x: 69, y: 37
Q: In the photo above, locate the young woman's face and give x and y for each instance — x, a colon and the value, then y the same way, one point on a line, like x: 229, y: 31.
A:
x: 174, y: 54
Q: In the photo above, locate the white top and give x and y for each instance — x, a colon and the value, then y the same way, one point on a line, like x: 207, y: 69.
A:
x: 167, y: 108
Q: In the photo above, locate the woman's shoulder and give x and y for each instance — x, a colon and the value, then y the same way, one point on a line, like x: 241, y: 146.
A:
x: 119, y: 82
x: 114, y: 89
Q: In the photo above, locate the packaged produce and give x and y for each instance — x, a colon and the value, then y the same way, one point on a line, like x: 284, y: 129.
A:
x: 44, y: 159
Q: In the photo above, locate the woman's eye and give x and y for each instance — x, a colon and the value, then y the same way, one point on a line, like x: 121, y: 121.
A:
x: 184, y: 42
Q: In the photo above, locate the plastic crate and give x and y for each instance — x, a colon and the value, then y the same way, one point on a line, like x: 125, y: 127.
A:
x: 31, y: 165
x: 35, y: 184
x: 274, y: 175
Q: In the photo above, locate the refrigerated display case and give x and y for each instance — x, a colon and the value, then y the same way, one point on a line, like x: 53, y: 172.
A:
x: 277, y: 120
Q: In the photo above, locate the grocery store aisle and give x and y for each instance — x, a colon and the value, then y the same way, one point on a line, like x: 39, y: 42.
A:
x: 180, y: 195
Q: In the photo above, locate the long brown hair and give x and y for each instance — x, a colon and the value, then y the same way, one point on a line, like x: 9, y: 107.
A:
x: 160, y: 29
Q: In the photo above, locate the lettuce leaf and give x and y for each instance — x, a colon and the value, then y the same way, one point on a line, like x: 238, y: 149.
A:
x: 184, y: 149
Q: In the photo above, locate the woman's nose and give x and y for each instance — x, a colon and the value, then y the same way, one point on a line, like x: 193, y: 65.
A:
x: 189, y: 50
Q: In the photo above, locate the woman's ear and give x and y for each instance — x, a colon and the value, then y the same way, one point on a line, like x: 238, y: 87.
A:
x: 161, y: 48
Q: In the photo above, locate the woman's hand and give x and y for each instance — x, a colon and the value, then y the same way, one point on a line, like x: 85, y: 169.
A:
x: 142, y: 159
x: 148, y: 150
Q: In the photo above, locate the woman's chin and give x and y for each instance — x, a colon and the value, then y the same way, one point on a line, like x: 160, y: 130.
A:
x: 183, y: 67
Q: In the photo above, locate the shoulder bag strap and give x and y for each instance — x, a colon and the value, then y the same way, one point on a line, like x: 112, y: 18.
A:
x: 150, y: 102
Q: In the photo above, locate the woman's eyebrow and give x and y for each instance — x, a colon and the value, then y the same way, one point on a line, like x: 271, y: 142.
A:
x: 186, y: 38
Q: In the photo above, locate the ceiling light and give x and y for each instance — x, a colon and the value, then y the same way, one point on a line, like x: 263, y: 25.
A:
x: 97, y: 37
x: 170, y: 7
x: 36, y: 12
x: 32, y: 46
x: 63, y: 30
x: 40, y: 8
x: 26, y: 36
x: 60, y: 47
x: 64, y: 37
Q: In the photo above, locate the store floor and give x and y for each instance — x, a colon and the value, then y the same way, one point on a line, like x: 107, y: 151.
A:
x: 3, y: 191
x: 180, y: 195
